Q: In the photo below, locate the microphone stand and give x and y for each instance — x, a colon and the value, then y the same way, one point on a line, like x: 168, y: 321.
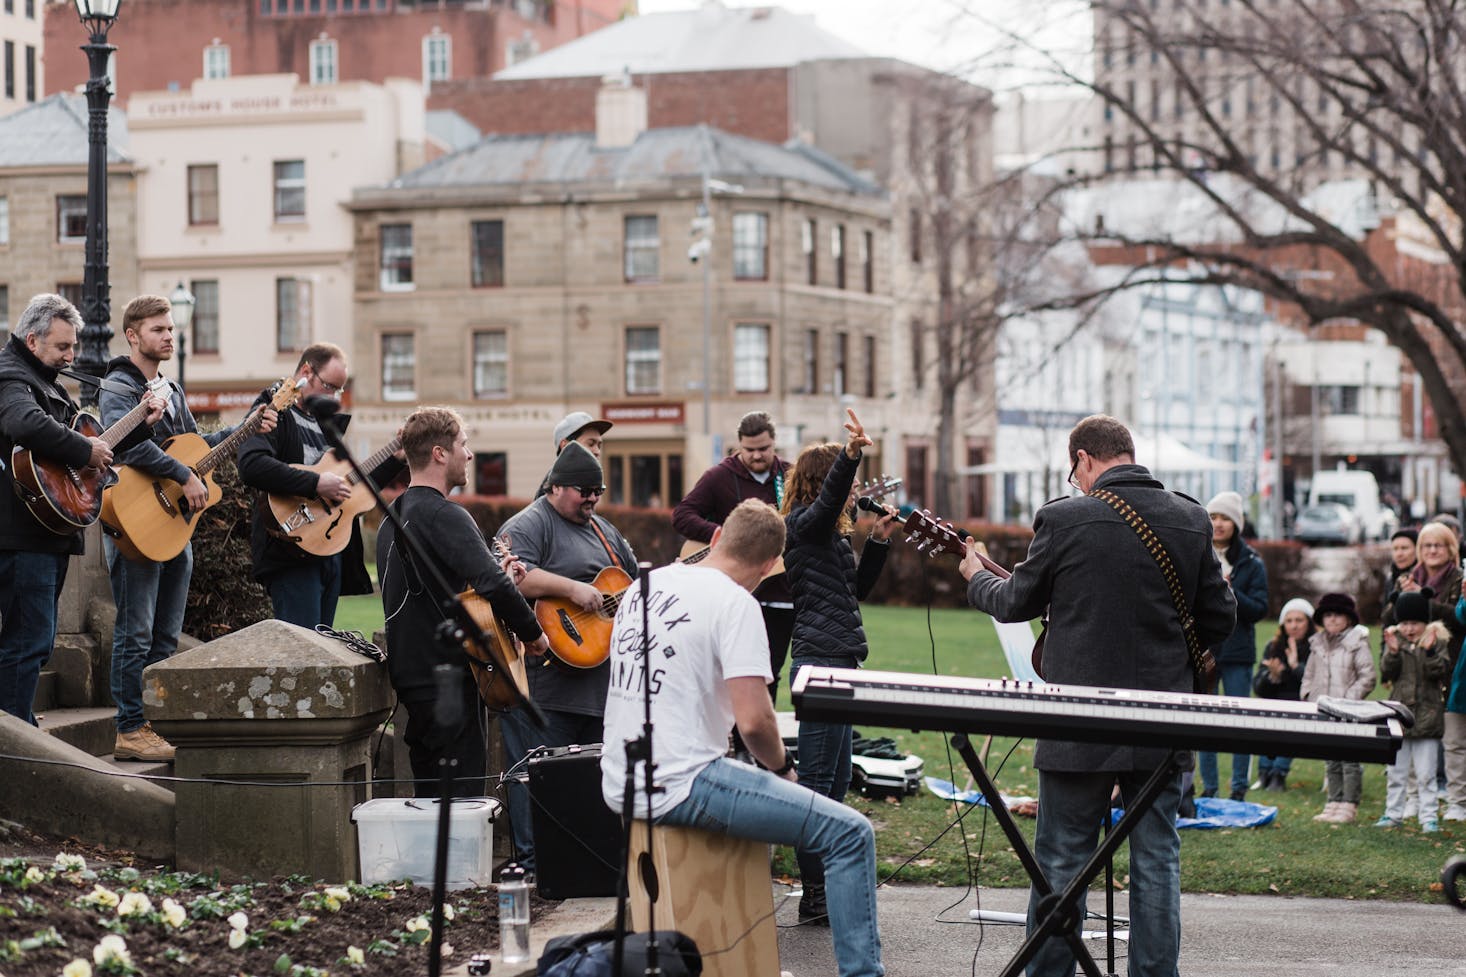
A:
x: 458, y: 626
x: 639, y: 749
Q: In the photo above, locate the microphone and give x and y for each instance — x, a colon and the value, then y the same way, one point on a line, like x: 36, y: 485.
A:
x: 322, y: 408
x: 871, y: 505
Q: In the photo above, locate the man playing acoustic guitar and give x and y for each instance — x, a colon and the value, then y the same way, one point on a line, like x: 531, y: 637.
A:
x: 36, y: 413
x: 150, y: 595
x: 565, y: 546
x: 438, y: 457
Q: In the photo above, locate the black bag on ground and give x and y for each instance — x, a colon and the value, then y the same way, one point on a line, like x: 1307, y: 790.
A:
x: 591, y: 955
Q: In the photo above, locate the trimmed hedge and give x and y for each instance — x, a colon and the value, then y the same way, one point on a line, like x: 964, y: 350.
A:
x: 223, y: 595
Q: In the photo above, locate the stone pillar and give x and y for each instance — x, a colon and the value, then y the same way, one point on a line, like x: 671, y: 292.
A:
x: 272, y: 704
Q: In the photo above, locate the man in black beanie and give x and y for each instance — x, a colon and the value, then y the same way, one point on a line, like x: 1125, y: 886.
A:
x: 564, y: 545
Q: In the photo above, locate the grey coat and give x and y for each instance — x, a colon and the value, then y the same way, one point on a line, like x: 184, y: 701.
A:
x: 1111, y: 621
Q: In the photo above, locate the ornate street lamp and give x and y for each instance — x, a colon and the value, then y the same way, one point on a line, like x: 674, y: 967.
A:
x: 98, y: 17
x: 183, y: 304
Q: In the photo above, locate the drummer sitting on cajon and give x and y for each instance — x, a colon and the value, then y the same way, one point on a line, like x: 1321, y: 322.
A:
x: 708, y: 667
x: 437, y: 451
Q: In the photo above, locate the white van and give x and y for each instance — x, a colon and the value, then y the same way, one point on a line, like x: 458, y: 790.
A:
x: 1358, y: 491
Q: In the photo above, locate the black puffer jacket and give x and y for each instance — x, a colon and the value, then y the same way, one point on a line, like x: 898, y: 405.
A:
x: 823, y: 575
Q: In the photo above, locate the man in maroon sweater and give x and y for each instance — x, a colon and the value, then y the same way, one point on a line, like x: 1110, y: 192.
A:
x: 754, y: 471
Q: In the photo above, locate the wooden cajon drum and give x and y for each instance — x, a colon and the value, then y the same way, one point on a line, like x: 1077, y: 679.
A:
x: 713, y: 888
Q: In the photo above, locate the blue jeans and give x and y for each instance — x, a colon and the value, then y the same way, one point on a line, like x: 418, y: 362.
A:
x: 306, y: 595
x: 30, y: 587
x: 1274, y: 764
x: 150, y: 601
x: 733, y: 798
x: 824, y: 765
x: 1071, y: 808
x: 1235, y: 679
x: 521, y: 736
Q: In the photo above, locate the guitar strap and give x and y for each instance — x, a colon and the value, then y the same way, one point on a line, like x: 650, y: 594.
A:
x: 615, y: 561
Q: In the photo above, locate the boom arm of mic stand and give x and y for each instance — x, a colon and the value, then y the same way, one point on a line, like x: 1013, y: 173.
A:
x: 424, y: 560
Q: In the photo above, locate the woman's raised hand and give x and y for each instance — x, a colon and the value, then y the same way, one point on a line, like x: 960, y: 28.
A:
x: 858, y: 437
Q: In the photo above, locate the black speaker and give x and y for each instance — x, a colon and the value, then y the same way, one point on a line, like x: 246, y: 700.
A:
x: 577, y: 839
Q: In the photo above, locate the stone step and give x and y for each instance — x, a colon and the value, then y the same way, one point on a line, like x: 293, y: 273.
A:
x: 89, y: 729
x: 140, y: 767
x: 45, y: 691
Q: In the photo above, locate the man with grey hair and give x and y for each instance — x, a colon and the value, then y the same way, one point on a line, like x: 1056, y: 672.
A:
x: 36, y: 413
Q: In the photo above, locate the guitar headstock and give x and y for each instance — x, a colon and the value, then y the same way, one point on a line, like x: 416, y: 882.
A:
x: 879, y: 488
x: 283, y: 393
x: 933, y: 535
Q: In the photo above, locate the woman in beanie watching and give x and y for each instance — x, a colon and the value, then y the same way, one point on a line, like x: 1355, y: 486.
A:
x: 1339, y: 665
x: 1280, y: 676
x: 1244, y: 571
x: 1413, y: 664
x: 1403, y: 559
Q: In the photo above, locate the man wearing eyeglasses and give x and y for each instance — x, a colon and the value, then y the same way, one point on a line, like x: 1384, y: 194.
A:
x: 304, y: 587
x: 564, y: 545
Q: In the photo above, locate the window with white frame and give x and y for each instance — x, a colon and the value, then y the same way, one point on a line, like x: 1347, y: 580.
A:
x: 491, y: 363
x: 203, y: 193
x: 323, y: 61
x: 643, y: 248
x: 289, y: 189
x: 4, y: 220
x: 807, y: 234
x: 216, y: 60
x: 643, y: 359
x: 292, y: 314
x: 399, y: 366
x: 837, y: 252
x: 437, y: 58
x: 71, y: 218
x: 751, y: 357
x: 751, y: 246
x: 396, y: 261
x: 205, y: 325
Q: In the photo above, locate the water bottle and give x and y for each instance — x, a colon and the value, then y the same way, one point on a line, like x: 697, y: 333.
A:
x: 513, y: 914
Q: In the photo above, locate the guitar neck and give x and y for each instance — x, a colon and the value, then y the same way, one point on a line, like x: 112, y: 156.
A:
x: 696, y: 557
x: 125, y: 424
x: 226, y: 448
x: 387, y: 451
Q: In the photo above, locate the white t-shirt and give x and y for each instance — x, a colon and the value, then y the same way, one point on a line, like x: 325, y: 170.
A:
x: 704, y: 629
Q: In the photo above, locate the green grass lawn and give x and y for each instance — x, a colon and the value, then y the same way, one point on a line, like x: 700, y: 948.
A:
x: 1292, y: 856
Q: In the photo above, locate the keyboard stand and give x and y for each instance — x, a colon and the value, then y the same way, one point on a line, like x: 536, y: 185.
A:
x: 1058, y: 912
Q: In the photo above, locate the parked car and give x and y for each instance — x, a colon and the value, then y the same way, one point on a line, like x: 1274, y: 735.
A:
x: 1328, y: 523
x: 1359, y: 491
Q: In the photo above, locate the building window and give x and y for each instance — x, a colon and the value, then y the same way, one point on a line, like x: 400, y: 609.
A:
x: 915, y: 236
x: 751, y: 247
x: 216, y: 60
x: 643, y: 360
x: 4, y: 220
x: 868, y: 261
x: 437, y: 58
x: 71, y: 292
x: 643, y: 249
x: 488, y: 253
x: 205, y: 325
x: 396, y: 258
x: 808, y: 235
x: 292, y: 314
x: 916, y: 474
x: 9, y: 69
x: 203, y: 194
x: 323, y: 62
x: 811, y: 384
x: 870, y: 366
x: 30, y: 73
x: 918, y: 358
x: 490, y: 470
x: 842, y: 363
x: 751, y: 357
x: 1339, y: 399
x: 399, y: 366
x: 71, y: 219
x: 289, y: 189
x: 491, y: 363
x: 30, y: 9
x: 4, y: 311
x: 837, y: 252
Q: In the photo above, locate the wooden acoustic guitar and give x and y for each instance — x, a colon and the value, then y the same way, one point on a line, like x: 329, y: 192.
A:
x: 65, y: 499
x: 147, y: 516
x: 502, y: 662
x: 319, y: 527
x: 580, y: 638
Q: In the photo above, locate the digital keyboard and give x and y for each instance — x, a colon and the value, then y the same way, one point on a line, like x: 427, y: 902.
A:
x: 1128, y: 717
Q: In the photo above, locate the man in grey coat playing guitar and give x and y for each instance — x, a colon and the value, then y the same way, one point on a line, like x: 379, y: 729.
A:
x: 36, y: 413
x: 1111, y: 622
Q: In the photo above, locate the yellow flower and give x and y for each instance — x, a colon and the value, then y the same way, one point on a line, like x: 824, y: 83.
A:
x: 34, y: 874
x: 338, y: 892
x: 174, y: 914
x: 417, y: 923
x: 77, y: 968
x: 101, y: 896
x: 134, y: 904
x: 353, y: 954
x: 69, y: 863
x: 236, y: 939
x: 112, y: 947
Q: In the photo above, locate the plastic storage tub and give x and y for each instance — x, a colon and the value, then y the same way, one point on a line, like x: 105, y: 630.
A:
x: 397, y: 837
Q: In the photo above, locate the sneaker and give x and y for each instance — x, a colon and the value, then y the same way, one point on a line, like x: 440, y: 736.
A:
x: 143, y: 744
x: 1239, y: 794
x: 1329, y: 810
x: 1386, y: 821
x: 1412, y: 809
x: 1346, y: 813
x: 1430, y: 826
x: 1456, y: 813
x: 1209, y: 792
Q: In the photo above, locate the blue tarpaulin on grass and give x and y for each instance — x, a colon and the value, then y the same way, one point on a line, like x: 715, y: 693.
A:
x: 1211, y: 812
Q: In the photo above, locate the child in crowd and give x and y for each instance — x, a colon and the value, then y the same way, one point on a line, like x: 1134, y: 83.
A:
x: 1339, y: 665
x: 1280, y: 676
x: 1414, y: 662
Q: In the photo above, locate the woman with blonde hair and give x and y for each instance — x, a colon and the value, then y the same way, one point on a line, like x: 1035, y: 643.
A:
x: 827, y: 585
x: 1437, y: 567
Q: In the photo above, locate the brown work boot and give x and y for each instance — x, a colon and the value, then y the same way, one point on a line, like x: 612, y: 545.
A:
x: 143, y: 744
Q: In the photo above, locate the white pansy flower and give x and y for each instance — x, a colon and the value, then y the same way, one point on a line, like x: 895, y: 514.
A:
x: 239, y: 921
x: 338, y: 892
x: 417, y: 923
x: 101, y: 896
x: 448, y: 912
x: 69, y: 863
x: 353, y: 955
x: 77, y: 968
x: 174, y: 914
x: 236, y: 939
x: 134, y: 904
x: 34, y: 874
x: 446, y: 950
x: 112, y: 947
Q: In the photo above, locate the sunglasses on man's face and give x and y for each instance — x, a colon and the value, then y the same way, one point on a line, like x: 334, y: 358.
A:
x: 589, y: 491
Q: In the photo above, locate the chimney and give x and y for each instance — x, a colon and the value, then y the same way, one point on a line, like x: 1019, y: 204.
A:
x: 620, y: 112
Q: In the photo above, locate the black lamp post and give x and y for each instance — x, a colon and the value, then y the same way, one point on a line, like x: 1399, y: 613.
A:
x: 183, y: 303
x: 96, y: 302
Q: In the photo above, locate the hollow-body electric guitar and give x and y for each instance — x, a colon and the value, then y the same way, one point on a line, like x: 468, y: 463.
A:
x: 320, y: 527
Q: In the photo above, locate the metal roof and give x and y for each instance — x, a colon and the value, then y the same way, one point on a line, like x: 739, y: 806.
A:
x: 656, y: 156
x: 711, y: 37
x: 53, y: 132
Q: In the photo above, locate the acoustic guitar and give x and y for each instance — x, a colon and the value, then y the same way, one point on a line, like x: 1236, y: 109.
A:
x: 579, y: 638
x: 320, y: 527
x: 65, y: 499
x: 502, y: 662
x: 147, y: 516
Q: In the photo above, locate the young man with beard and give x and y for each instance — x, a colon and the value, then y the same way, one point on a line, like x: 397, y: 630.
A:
x: 150, y: 596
